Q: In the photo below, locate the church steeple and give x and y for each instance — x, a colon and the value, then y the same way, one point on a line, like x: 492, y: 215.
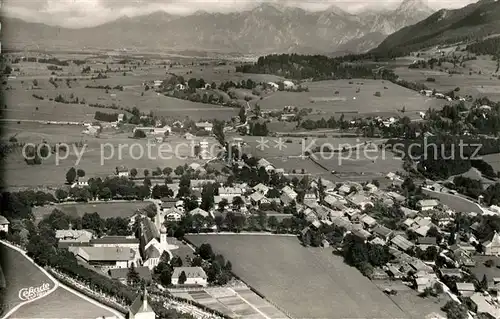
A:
x: 145, y: 299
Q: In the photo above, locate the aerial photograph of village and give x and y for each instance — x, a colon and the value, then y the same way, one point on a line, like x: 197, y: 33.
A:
x: 250, y: 159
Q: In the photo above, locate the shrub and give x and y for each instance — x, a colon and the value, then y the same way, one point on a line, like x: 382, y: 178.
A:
x: 377, y: 94
x: 431, y: 80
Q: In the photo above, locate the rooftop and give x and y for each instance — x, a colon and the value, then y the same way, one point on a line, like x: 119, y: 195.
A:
x: 114, y: 240
x: 105, y: 253
x: 191, y: 272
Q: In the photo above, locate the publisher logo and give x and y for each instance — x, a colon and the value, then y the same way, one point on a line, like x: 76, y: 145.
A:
x: 30, y: 293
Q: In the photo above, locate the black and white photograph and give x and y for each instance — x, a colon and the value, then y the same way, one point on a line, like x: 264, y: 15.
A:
x: 249, y: 159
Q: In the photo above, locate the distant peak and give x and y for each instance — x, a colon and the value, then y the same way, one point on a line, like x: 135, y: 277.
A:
x: 410, y: 5
x: 336, y: 10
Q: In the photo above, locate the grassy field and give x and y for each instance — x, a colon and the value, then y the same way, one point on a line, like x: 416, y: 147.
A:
x: 475, y: 84
x: 100, y: 156
x: 312, y: 277
x: 61, y: 304
x: 455, y: 202
x: 493, y: 160
x: 19, y: 273
x: 105, y: 210
x: 322, y: 94
x: 238, y: 302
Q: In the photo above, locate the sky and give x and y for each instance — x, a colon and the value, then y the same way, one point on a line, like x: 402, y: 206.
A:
x: 86, y: 13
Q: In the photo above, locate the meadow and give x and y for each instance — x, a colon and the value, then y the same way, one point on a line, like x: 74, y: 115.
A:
x: 100, y: 156
x: 322, y: 97
x: 19, y: 273
x: 317, y: 283
x: 61, y: 304
x: 455, y: 202
x: 476, y: 85
x: 493, y: 160
x: 105, y: 210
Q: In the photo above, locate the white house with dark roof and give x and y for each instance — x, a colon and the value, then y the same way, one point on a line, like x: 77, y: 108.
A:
x: 261, y: 188
x: 122, y: 171
x: 68, y: 237
x: 207, y: 126
x: 492, y: 246
x: 201, y: 212
x: 427, y: 204
x: 194, y: 276
x: 360, y: 201
x: 106, y: 257
x: 4, y: 224
x: 288, y: 195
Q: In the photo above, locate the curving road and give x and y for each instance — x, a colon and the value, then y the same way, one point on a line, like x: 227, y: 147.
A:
x: 455, y: 202
x: 55, y: 285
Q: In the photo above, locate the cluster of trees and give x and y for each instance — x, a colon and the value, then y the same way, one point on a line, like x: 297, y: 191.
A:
x: 105, y: 87
x: 54, y: 61
x: 364, y: 256
x: 38, y: 97
x: 106, y: 117
x: 108, y: 188
x: 489, y: 46
x: 218, y: 270
x: 54, y: 68
x: 316, y: 67
x: 322, y: 123
x: 19, y: 204
x: 258, y: 129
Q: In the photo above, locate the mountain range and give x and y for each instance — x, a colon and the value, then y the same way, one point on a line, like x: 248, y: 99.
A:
x: 268, y: 28
x: 473, y: 22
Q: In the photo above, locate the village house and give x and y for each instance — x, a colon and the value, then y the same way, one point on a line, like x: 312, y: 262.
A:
x: 266, y: 164
x: 173, y: 214
x: 426, y: 242
x: 4, y: 224
x: 360, y: 201
x: 427, y: 204
x: 194, y: 276
x: 207, y: 126
x: 288, y: 195
x: 465, y: 289
x: 120, y: 274
x: 382, y: 232
x: 492, y: 246
x: 122, y: 171
x: 367, y: 221
x: 402, y: 243
x: 486, y: 305
x: 410, y: 213
x: 105, y: 257
x: 154, y: 130
x: 73, y: 237
x: 396, y: 197
x: 201, y: 212
x: 230, y: 192
x: 81, y: 182
x: 261, y: 188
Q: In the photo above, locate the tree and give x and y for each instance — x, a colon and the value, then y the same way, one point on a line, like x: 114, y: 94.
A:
x: 133, y: 276
x: 61, y: 194
x: 218, y: 129
x: 176, y: 261
x: 454, y: 310
x: 272, y: 222
x: 139, y: 134
x: 167, y: 171
x: 80, y: 172
x: 205, y: 251
x: 182, y: 278
x: 242, y: 114
x: 146, y: 172
x: 71, y: 175
x: 179, y: 170
x: 35, y: 82
x: 133, y: 172
x: 238, y: 202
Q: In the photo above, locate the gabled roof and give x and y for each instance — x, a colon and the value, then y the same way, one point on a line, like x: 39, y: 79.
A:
x: 139, y: 306
x: 191, y: 272
x: 120, y: 273
x: 105, y: 253
x: 401, y: 242
x: 148, y: 230
x: 199, y: 211
x: 382, y: 231
x: 74, y: 234
x: 3, y: 220
x: 114, y: 240
x: 427, y: 203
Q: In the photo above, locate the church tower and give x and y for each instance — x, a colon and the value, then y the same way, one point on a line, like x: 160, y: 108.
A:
x: 163, y: 237
x: 140, y: 308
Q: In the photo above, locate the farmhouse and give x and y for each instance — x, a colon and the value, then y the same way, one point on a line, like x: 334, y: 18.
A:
x: 106, y: 257
x: 207, y: 126
x: 153, y: 130
x: 492, y: 246
x: 288, y: 195
x: 266, y: 164
x: 193, y: 275
x: 173, y: 214
x: 382, y: 232
x: 80, y: 183
x: 116, y: 241
x: 140, y: 308
x: 68, y: 237
x: 4, y: 224
x: 199, y: 211
x: 122, y: 171
x: 360, y: 201
x: 427, y: 204
x: 261, y: 188
x: 465, y: 289
x: 230, y: 192
x: 120, y: 274
x: 402, y: 243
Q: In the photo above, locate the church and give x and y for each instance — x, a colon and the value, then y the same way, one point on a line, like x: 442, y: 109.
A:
x: 153, y: 241
x: 140, y: 308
